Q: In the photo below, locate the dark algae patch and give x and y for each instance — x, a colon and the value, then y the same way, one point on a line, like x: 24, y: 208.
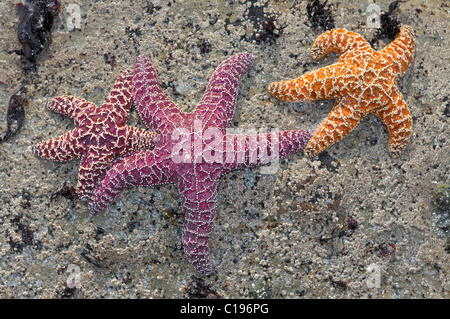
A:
x: 319, y: 15
x: 15, y: 115
x: 35, y: 24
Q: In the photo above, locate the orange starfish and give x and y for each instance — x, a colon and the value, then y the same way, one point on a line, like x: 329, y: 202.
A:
x: 362, y: 81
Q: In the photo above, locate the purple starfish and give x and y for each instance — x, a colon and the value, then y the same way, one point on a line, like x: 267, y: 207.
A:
x: 194, y: 150
x: 101, y: 133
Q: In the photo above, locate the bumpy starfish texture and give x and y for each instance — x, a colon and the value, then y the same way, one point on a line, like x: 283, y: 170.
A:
x: 101, y: 133
x: 362, y: 81
x: 194, y: 150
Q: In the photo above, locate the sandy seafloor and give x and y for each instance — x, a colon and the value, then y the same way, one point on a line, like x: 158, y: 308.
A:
x: 266, y: 241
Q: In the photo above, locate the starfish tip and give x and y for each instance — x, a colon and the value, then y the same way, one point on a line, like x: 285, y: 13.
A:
x: 249, y: 57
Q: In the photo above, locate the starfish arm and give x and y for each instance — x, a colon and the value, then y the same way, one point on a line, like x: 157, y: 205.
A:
x: 339, y: 41
x: 63, y: 148
x: 400, y: 51
x: 97, y: 160
x: 93, y: 166
x: 315, y: 85
x: 157, y: 111
x: 198, y: 201
x: 135, y: 139
x: 218, y: 103
x: 70, y: 106
x: 120, y: 97
x: 148, y: 167
x: 242, y: 151
x: 395, y: 115
x: 341, y: 120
